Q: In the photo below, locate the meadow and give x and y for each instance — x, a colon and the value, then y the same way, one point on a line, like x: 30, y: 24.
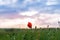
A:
x: 30, y: 34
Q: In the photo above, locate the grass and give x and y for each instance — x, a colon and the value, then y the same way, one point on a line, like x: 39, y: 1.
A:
x: 30, y: 34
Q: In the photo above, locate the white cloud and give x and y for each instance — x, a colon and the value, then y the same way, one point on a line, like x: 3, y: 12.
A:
x: 28, y: 2
x: 31, y: 1
x: 15, y: 23
x: 7, y: 2
x: 42, y: 20
x: 51, y: 2
x: 46, y: 19
x: 51, y: 19
x: 28, y: 13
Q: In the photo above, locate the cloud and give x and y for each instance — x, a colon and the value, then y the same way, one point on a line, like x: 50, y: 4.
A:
x: 51, y: 2
x: 48, y: 19
x: 6, y: 6
x: 19, y: 6
x: 28, y: 13
x: 31, y: 1
x: 40, y: 12
x: 15, y: 23
x: 42, y: 20
x: 7, y: 2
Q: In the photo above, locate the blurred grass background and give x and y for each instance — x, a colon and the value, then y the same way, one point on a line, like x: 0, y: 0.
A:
x: 30, y: 34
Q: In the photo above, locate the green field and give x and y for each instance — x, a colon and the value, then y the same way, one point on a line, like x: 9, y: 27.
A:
x: 30, y: 34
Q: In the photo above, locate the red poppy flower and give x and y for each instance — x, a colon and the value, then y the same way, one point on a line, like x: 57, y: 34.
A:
x: 29, y: 24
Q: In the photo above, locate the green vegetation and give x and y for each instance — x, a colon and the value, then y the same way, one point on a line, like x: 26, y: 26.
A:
x: 30, y: 34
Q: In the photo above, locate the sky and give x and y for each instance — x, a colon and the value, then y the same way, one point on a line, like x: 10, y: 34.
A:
x: 17, y: 13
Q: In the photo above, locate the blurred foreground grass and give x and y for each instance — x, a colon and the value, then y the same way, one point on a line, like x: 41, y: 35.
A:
x: 30, y: 34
